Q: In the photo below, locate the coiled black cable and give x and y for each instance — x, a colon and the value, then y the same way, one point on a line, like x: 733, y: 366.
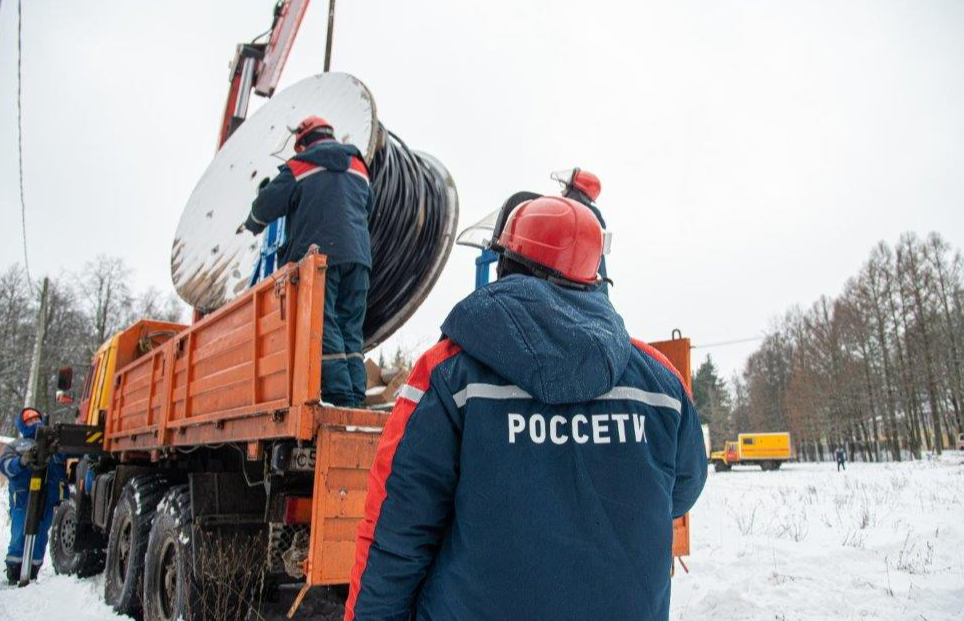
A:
x: 406, y: 226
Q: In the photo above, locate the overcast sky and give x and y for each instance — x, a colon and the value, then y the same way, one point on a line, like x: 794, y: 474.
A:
x: 751, y: 153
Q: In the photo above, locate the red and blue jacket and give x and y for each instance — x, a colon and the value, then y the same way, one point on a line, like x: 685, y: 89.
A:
x: 326, y: 195
x: 531, y: 469
x: 18, y: 487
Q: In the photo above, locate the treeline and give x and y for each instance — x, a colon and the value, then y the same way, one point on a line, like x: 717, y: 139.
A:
x: 84, y: 309
x: 877, y: 369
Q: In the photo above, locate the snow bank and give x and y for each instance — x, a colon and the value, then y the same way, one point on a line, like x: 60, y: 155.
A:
x: 877, y: 542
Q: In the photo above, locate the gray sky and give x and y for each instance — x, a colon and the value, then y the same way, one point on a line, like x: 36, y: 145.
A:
x: 750, y: 153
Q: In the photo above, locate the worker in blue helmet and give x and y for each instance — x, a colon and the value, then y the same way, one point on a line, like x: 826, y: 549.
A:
x: 325, y: 194
x: 16, y: 463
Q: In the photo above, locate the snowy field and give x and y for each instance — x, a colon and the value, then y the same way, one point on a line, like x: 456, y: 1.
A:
x: 877, y: 542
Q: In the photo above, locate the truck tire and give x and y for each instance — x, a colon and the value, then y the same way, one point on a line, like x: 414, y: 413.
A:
x: 719, y: 466
x: 170, y: 586
x: 127, y: 542
x: 192, y: 573
x: 66, y: 559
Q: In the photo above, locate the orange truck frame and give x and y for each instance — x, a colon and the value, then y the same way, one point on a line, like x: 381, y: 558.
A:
x: 202, y: 410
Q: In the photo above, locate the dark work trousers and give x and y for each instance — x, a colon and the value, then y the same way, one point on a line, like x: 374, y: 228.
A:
x: 841, y: 465
x: 343, y: 378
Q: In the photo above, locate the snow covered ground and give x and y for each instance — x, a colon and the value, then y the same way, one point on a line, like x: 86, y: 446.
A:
x: 882, y: 542
x: 877, y: 542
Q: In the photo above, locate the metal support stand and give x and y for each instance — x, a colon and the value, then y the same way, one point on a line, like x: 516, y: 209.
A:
x: 482, y: 263
x: 274, y: 238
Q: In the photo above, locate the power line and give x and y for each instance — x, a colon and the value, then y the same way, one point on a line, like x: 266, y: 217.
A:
x: 749, y: 339
x: 23, y: 204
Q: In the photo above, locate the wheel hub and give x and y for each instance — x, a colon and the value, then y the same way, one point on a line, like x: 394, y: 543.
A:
x: 124, y: 544
x: 168, y: 573
x: 68, y: 532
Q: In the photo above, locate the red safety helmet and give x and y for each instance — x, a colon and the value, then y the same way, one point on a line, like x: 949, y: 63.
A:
x: 30, y: 416
x: 557, y: 236
x: 581, y: 180
x: 312, y: 125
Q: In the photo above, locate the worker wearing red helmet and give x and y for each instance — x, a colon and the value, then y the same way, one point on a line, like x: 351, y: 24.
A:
x: 583, y: 186
x: 16, y: 463
x: 536, y: 455
x: 325, y: 193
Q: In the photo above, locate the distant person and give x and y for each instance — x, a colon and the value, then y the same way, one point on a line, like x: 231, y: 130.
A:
x: 536, y: 456
x: 324, y: 191
x: 841, y: 456
x: 16, y: 463
x: 583, y: 186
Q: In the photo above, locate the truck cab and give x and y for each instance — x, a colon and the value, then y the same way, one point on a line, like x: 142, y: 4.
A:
x: 117, y: 352
x: 724, y: 460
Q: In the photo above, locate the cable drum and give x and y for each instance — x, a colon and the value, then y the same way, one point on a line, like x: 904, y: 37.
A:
x: 407, y: 228
x: 412, y: 224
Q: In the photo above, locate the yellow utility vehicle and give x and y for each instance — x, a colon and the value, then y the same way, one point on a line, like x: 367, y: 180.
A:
x: 768, y: 450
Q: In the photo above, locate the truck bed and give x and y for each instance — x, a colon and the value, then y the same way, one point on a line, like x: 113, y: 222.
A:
x: 251, y: 371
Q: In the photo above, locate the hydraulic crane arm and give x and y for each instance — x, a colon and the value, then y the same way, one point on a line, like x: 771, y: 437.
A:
x: 258, y: 66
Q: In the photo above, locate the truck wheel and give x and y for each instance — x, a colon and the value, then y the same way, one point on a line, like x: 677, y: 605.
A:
x: 719, y: 466
x: 169, y: 581
x: 127, y: 542
x: 198, y: 574
x: 63, y: 537
x: 777, y: 464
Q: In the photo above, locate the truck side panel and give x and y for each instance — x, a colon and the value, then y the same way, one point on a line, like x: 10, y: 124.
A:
x: 677, y: 351
x: 764, y: 446
x: 248, y: 372
x: 344, y: 457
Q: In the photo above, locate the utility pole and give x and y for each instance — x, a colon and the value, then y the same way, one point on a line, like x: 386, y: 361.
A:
x: 33, y: 383
x: 35, y: 506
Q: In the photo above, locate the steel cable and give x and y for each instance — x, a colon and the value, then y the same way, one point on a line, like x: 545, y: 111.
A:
x: 406, y: 226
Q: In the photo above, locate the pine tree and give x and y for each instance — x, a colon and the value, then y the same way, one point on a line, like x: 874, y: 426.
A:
x: 712, y: 400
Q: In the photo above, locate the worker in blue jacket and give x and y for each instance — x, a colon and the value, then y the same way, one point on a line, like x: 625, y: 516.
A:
x: 536, y: 456
x: 584, y: 187
x: 16, y: 464
x: 325, y: 193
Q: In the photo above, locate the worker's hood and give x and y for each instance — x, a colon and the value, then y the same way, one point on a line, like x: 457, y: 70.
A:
x: 560, y: 345
x: 27, y: 431
x: 329, y: 154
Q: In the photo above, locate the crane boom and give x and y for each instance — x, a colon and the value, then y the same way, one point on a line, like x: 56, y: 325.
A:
x: 258, y: 66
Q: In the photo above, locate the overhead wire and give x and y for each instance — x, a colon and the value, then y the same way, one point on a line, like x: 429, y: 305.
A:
x: 749, y: 339
x: 23, y: 203
x: 406, y: 226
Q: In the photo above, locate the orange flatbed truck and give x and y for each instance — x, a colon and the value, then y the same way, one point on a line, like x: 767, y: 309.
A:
x: 214, y: 434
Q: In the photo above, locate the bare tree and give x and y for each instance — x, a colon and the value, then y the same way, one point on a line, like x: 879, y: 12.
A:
x: 877, y: 369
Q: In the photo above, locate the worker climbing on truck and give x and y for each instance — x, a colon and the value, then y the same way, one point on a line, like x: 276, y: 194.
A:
x: 16, y: 463
x: 584, y: 187
x: 537, y: 455
x: 325, y: 194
